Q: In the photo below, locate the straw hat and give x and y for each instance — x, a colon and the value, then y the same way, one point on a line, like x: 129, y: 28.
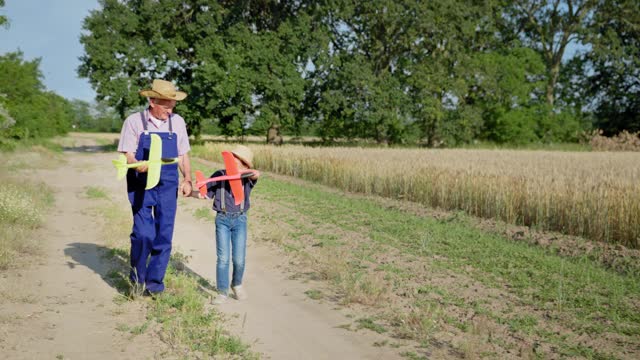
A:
x: 243, y: 153
x: 162, y: 89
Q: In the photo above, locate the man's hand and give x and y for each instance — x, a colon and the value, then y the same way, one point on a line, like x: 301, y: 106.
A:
x: 186, y: 188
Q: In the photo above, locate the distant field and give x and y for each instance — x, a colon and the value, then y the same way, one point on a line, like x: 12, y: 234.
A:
x: 590, y: 194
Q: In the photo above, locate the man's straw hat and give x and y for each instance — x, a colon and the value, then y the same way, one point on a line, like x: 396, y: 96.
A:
x: 162, y: 89
x: 243, y: 153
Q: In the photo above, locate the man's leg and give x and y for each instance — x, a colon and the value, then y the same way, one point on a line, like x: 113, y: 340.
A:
x: 142, y: 235
x: 165, y: 215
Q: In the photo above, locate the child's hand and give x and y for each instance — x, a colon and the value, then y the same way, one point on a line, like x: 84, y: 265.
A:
x: 196, y: 194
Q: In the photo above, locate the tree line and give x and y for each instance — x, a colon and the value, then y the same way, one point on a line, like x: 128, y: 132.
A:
x: 405, y: 71
x: 29, y: 111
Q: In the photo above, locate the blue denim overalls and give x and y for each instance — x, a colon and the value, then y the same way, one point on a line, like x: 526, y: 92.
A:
x: 154, y: 212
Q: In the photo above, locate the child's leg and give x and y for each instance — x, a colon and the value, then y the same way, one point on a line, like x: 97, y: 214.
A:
x: 223, y: 249
x: 239, y: 244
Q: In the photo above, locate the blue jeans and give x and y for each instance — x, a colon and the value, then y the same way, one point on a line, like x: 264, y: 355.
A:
x: 231, y: 243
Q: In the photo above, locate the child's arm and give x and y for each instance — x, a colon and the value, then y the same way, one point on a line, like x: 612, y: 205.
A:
x: 255, y: 176
x: 212, y: 186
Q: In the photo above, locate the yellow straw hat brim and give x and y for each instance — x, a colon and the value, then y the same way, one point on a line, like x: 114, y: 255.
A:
x: 162, y: 89
x: 179, y: 95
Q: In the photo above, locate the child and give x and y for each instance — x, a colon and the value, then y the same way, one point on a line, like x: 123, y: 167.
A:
x: 231, y: 226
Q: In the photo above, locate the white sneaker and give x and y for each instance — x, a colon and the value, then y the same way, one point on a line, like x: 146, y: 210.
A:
x: 239, y: 292
x: 220, y: 299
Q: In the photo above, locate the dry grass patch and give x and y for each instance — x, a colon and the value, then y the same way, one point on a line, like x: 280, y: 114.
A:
x: 23, y: 203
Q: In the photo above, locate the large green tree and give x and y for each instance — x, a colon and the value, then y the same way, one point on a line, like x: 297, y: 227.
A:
x: 36, y: 112
x: 608, y: 76
x: 236, y: 60
x: 549, y: 26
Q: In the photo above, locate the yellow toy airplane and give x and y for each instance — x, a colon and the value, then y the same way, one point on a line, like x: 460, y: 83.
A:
x: 154, y: 163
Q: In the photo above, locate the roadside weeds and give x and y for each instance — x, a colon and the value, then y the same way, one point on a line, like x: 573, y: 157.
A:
x: 456, y: 289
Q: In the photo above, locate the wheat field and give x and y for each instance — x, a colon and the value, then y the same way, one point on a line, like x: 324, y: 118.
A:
x: 591, y: 194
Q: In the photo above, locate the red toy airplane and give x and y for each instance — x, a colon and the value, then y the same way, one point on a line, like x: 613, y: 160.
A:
x: 234, y: 176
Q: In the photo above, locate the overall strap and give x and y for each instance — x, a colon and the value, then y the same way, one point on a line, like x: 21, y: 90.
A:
x: 170, y: 125
x: 223, y: 204
x: 144, y: 122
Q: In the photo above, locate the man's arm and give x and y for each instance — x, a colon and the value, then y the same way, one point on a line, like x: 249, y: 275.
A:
x: 129, y: 141
x: 184, y: 163
x: 131, y: 158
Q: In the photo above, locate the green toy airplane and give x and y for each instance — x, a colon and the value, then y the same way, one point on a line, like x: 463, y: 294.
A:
x: 154, y: 163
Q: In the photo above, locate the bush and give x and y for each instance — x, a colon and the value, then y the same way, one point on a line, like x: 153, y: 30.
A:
x: 624, y: 141
x: 516, y: 127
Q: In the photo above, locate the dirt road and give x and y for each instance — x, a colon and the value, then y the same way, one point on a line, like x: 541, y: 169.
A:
x: 62, y: 307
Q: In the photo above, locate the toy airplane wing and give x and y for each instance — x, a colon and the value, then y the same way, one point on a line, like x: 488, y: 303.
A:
x: 236, y: 184
x: 201, y: 181
x: 155, y: 162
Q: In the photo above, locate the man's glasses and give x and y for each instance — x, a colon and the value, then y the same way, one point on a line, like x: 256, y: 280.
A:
x: 166, y: 107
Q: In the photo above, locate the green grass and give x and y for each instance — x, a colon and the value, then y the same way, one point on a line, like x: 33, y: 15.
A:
x: 590, y: 298
x: 204, y: 213
x: 96, y: 192
x: 11, y: 145
x: 369, y: 323
x: 314, y: 294
x: 181, y: 312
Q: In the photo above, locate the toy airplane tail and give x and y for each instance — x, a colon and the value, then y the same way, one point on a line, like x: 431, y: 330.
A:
x: 121, y: 166
x: 200, y: 180
x: 232, y: 169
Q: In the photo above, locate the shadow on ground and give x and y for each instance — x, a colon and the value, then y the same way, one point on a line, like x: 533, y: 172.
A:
x: 113, y: 266
x: 91, y: 148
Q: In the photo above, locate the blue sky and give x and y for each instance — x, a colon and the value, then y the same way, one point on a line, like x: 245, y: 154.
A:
x: 50, y: 29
